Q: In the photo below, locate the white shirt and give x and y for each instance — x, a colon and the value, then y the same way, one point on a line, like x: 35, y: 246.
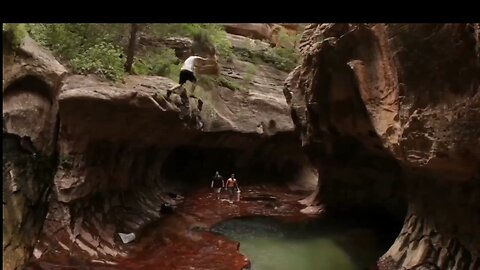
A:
x: 189, y: 64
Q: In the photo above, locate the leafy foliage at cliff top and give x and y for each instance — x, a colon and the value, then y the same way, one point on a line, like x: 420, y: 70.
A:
x: 100, y: 48
x: 14, y: 33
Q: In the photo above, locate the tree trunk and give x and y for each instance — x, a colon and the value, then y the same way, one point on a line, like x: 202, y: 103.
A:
x: 131, y: 48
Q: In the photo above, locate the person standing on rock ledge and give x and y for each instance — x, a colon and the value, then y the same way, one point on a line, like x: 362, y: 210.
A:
x: 217, y: 183
x: 187, y: 73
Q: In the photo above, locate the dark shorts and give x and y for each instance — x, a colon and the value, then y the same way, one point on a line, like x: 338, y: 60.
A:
x: 185, y: 76
x: 231, y: 190
x: 217, y: 185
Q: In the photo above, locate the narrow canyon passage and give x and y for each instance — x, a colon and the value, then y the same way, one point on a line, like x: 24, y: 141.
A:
x: 355, y: 146
x: 195, y: 236
x: 194, y: 232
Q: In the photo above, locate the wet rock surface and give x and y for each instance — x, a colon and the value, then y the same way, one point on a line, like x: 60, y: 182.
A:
x: 182, y: 240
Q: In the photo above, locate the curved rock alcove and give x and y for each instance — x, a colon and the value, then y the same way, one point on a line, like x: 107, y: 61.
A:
x: 392, y: 111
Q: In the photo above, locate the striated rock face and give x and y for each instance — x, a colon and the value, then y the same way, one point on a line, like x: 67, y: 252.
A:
x: 116, y: 155
x: 126, y: 150
x: 32, y: 79
x: 97, y: 118
x: 113, y: 139
x: 387, y: 110
x: 258, y: 107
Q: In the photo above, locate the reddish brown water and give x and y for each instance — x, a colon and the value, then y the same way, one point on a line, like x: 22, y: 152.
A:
x: 182, y: 240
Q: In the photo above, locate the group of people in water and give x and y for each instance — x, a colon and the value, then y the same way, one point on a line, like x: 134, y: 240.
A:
x: 231, y: 185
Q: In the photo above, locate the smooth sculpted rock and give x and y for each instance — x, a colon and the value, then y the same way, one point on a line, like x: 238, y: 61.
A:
x: 114, y: 139
x: 390, y: 112
x: 31, y: 83
x: 123, y: 147
x: 137, y: 110
x: 261, y: 31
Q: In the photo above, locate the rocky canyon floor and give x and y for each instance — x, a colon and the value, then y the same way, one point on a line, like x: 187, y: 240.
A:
x: 190, y: 237
x: 182, y: 240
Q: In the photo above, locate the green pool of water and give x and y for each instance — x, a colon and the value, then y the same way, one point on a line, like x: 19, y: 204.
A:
x: 314, y: 245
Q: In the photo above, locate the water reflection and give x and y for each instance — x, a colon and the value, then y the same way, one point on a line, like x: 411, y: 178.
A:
x: 270, y: 244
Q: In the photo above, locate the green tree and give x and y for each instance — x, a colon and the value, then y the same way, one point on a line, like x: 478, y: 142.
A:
x: 99, y: 48
x: 14, y: 34
x: 131, y: 48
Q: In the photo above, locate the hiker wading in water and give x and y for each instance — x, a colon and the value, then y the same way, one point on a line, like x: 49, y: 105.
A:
x: 217, y: 184
x: 232, y: 187
x: 187, y: 73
